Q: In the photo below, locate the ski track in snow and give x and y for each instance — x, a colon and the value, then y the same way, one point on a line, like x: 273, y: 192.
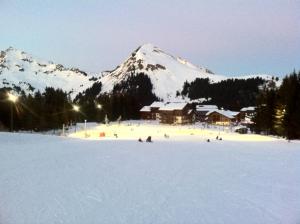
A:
x: 47, y: 179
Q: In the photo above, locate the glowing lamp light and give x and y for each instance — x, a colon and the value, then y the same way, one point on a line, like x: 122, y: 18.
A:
x: 12, y: 97
x: 76, y: 108
x: 99, y: 106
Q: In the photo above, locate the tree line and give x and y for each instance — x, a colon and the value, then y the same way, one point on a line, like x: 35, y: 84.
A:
x: 53, y: 107
x: 278, y: 108
x: 37, y: 112
x: 230, y: 94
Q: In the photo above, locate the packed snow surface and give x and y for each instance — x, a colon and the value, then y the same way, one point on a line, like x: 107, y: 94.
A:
x: 48, y: 179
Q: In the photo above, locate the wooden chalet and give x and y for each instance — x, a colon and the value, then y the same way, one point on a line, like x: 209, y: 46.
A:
x: 145, y: 113
x: 247, y: 112
x: 222, y: 117
x: 176, y: 113
x: 151, y: 112
x: 202, y: 110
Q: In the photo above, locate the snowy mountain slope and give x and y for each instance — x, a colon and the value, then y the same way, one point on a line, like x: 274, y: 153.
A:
x: 19, y: 69
x: 167, y: 73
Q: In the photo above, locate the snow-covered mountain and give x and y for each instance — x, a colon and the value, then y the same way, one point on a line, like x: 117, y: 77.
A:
x: 167, y: 73
x: 21, y: 71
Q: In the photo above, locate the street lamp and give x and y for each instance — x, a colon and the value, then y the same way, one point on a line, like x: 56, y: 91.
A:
x: 13, y: 99
x: 99, y: 106
x: 76, y: 109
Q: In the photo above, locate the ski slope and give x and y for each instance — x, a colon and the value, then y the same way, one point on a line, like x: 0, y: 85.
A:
x: 48, y: 179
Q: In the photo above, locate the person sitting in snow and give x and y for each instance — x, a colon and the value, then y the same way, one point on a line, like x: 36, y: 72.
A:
x: 149, y: 139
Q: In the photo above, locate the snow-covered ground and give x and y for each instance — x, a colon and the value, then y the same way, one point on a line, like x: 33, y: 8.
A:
x: 133, y: 130
x: 49, y: 179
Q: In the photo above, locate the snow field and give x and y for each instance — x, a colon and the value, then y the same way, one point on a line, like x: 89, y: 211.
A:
x: 142, y: 129
x: 47, y: 179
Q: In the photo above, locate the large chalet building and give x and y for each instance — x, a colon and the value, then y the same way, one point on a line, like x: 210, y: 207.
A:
x: 222, y: 117
x: 151, y: 112
x: 202, y: 110
x: 168, y: 113
x: 184, y: 113
x: 176, y: 113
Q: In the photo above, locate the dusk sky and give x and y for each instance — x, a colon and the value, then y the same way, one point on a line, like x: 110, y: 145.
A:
x: 231, y: 37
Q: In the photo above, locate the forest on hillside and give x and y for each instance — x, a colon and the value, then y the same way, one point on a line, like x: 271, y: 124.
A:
x: 232, y: 94
x: 277, y: 107
x: 53, y: 107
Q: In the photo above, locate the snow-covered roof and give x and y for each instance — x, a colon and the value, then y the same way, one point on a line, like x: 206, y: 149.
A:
x: 206, y: 107
x: 199, y: 100
x: 173, y: 106
x: 145, y: 109
x: 226, y: 113
x: 157, y: 104
x: 248, y: 109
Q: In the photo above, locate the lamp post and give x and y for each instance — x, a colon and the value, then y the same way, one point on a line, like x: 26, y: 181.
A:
x: 99, y: 107
x: 76, y: 109
x: 85, y: 133
x: 13, y: 99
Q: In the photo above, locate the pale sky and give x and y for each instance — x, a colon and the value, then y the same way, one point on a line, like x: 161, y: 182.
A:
x: 230, y: 37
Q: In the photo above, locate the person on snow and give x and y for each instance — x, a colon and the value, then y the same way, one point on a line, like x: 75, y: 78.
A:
x: 149, y: 139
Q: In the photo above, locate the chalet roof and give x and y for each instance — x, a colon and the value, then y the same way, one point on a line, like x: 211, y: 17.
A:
x: 145, y: 109
x: 227, y: 113
x: 206, y: 107
x: 157, y: 104
x: 248, y: 109
x: 173, y: 106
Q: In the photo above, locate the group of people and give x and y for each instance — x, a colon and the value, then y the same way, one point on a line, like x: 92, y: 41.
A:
x: 217, y: 138
x: 148, y: 139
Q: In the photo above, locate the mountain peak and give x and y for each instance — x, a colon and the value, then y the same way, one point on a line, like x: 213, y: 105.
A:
x: 147, y: 49
x: 167, y: 73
